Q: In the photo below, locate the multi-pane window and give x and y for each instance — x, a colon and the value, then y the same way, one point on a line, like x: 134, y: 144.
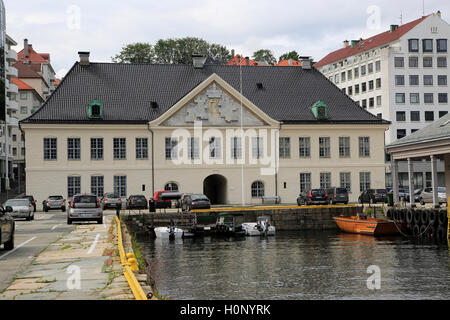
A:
x: 343, y: 76
x: 236, y: 148
x: 257, y: 147
x: 363, y: 87
x: 356, y: 88
x: 73, y: 186
x: 399, y: 62
x: 363, y: 70
x: 257, y: 189
x: 120, y: 185
x: 428, y: 97
x: 427, y: 45
x: 442, y: 80
x: 305, y: 182
x: 413, y: 45
x: 429, y: 116
x: 442, y: 62
x: 401, y: 133
x: 344, y: 147
x: 371, y: 102
x: 356, y: 72
x: 324, y: 147
x: 336, y: 78
x: 400, y: 116
x: 413, y: 62
x: 427, y: 62
x: 378, y: 66
x: 285, y: 147
x: 364, y: 103
x: 399, y: 80
x: 171, y: 186
x: 96, y: 148
x: 370, y: 67
x: 414, y: 98
x: 364, y: 146
x: 120, y: 148
x: 442, y: 113
x: 345, y: 181
x: 442, y: 98
x: 378, y: 100
x: 400, y: 98
x: 350, y: 90
x: 304, y: 147
x: 325, y: 180
x: 413, y: 80
x: 441, y: 45
x: 50, y: 149
x: 428, y: 80
x: 378, y: 83
x: 97, y: 185
x: 364, y: 181
x: 415, y: 115
x: 171, y: 148
x: 23, y: 110
x: 215, y: 148
x: 349, y: 75
x: 141, y: 148
x: 371, y: 85
x: 73, y: 148
x: 193, y: 147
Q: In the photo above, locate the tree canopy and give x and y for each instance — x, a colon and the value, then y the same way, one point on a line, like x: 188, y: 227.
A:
x: 289, y: 55
x: 264, y: 55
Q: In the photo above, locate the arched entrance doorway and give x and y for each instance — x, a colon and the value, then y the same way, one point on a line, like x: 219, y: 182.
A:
x: 215, y: 188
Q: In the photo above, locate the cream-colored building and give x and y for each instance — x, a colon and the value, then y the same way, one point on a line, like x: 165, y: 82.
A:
x: 137, y: 129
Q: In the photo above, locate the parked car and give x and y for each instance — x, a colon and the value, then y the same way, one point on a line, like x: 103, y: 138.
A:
x: 54, y: 203
x: 31, y: 198
x: 160, y: 203
x: 180, y: 201
x: 313, y: 196
x: 85, y: 207
x: 337, y: 195
x: 426, y: 195
x: 7, y: 228
x: 373, y: 196
x: 137, y: 202
x: 111, y: 200
x: 195, y: 201
x: 21, y: 208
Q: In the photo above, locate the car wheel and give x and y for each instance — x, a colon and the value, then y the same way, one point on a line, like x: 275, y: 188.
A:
x: 46, y: 209
x: 32, y: 217
x: 34, y: 207
x: 9, y: 245
x: 69, y: 221
x: 100, y: 221
x: 63, y: 209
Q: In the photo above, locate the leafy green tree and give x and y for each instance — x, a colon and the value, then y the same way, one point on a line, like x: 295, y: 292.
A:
x: 289, y: 55
x: 264, y: 55
x: 136, y: 53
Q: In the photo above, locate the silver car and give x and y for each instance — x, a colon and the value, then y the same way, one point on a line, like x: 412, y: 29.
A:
x: 85, y: 207
x: 111, y: 200
x: 427, y: 195
x: 22, y: 208
x: 55, y: 203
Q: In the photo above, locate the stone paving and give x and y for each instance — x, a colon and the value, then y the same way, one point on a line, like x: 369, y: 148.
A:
x: 82, y: 265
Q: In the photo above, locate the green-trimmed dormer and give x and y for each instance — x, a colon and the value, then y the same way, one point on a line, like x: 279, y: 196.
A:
x: 95, y: 109
x: 320, y: 110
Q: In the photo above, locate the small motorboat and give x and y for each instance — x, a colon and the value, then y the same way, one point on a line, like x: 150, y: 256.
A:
x: 366, y: 225
x: 169, y: 232
x: 260, y: 228
x: 230, y: 224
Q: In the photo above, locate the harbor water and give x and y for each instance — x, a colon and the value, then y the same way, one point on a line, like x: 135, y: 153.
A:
x: 319, y: 265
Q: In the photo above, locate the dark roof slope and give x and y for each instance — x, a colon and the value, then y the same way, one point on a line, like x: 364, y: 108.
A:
x: 127, y: 90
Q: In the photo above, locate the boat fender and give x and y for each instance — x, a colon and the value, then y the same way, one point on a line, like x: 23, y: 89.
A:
x: 417, y: 214
x: 402, y: 215
x: 409, y: 216
x: 431, y: 232
x: 422, y: 231
x: 416, y: 230
x: 441, y: 233
x: 424, y: 217
x: 442, y: 214
x: 432, y: 217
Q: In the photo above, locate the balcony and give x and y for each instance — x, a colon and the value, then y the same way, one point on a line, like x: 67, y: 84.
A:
x: 11, y: 72
x: 11, y: 56
x: 13, y: 122
x: 12, y: 105
x: 12, y: 88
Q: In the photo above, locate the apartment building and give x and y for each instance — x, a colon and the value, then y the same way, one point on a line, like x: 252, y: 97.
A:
x: 400, y: 75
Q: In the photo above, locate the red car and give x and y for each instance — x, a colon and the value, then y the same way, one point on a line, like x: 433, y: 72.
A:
x: 159, y: 203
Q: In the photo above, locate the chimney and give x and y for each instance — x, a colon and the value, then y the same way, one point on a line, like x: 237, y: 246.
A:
x: 438, y: 13
x: 290, y: 62
x: 232, y: 53
x: 25, y: 47
x: 247, y: 61
x: 84, y: 58
x: 198, y: 61
x: 306, y: 63
x: 354, y: 42
x: 394, y: 27
x: 346, y: 44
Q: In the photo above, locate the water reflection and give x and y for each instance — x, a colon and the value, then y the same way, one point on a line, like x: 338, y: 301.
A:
x: 293, y: 265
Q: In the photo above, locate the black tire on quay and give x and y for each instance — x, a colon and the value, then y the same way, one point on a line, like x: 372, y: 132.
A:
x: 409, y: 216
x: 416, y: 230
x: 432, y: 217
x: 416, y: 217
x: 441, y: 233
x: 422, y: 231
x: 442, y: 214
x: 432, y: 232
x: 402, y: 215
x: 424, y: 217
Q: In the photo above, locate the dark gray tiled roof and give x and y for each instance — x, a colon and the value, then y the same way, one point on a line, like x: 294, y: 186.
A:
x: 438, y: 130
x: 127, y: 90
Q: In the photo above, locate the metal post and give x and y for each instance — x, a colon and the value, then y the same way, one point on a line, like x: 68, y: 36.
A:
x: 394, y: 175
x: 434, y: 181
x: 411, y: 183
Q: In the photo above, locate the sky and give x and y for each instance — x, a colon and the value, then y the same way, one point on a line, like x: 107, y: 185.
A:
x: 312, y: 28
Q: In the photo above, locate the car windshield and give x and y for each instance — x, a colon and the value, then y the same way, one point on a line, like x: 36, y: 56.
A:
x: 199, y: 197
x: 441, y: 190
x: 85, y: 199
x: 381, y: 190
x: 55, y: 198
x: 13, y: 203
x: 138, y: 197
x: 341, y: 190
x: 317, y: 192
x: 111, y: 195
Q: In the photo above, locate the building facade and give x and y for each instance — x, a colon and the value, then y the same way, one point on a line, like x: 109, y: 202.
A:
x: 401, y: 76
x: 191, y: 129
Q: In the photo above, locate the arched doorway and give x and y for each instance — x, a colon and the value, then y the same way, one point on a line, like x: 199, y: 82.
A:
x: 215, y: 188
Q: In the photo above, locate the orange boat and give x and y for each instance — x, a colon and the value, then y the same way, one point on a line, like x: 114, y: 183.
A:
x: 369, y: 226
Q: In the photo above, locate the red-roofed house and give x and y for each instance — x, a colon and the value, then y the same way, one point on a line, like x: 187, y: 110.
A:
x: 289, y: 63
x: 243, y: 61
x: 399, y: 75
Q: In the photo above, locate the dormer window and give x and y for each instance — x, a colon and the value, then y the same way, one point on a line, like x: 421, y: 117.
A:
x: 320, y: 110
x: 95, y: 110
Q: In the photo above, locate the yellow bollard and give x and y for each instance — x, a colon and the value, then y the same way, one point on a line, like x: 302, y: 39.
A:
x: 132, y: 262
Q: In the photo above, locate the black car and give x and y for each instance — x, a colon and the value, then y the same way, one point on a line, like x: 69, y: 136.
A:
x: 337, y: 195
x: 31, y: 198
x: 313, y: 196
x: 373, y: 196
x: 195, y: 201
x: 7, y: 228
x: 137, y: 202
